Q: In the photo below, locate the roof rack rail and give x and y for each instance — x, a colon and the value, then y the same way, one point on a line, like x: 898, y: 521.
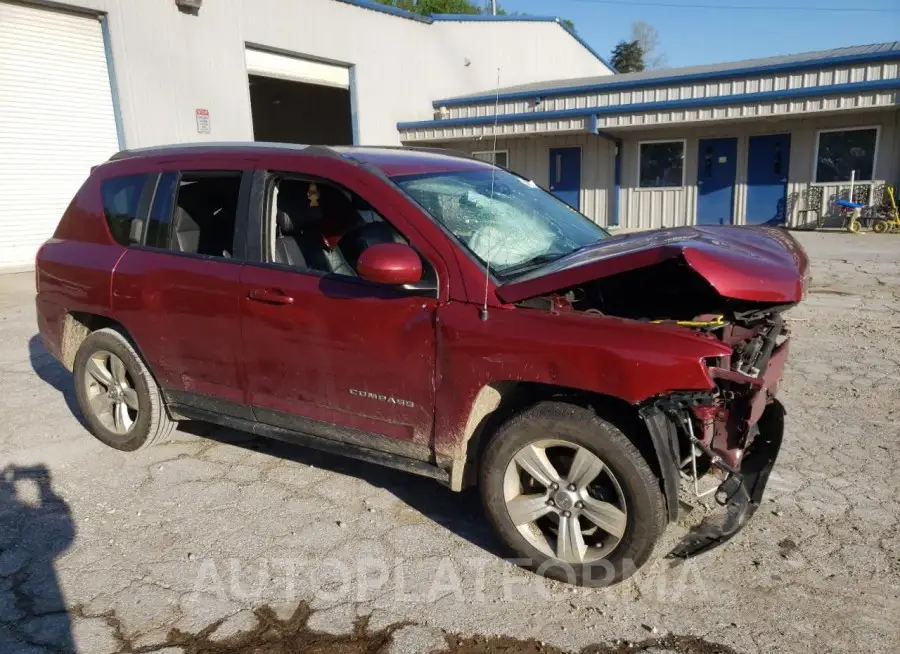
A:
x: 177, y: 148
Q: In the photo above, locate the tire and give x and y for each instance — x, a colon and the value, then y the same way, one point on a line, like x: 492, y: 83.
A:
x: 637, y: 495
x: 880, y: 226
x: 149, y: 422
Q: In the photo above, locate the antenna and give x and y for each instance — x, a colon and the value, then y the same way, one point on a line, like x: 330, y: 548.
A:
x: 483, y: 314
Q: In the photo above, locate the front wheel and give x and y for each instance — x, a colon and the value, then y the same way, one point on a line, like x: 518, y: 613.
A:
x: 571, y: 495
x: 880, y: 226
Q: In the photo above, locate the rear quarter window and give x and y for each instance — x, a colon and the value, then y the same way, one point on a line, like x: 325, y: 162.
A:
x: 121, y: 197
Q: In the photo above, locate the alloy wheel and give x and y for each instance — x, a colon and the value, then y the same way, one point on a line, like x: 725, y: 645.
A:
x: 110, y: 391
x: 565, y: 501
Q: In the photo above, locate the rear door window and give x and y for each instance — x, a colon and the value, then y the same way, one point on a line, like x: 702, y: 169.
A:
x: 196, y: 213
x: 121, y: 205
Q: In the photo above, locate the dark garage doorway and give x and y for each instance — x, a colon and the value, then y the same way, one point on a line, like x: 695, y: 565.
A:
x: 295, y: 112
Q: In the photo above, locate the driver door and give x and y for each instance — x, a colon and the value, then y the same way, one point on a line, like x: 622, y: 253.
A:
x: 330, y: 353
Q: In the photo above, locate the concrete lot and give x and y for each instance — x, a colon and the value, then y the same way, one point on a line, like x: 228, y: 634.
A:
x: 109, y: 552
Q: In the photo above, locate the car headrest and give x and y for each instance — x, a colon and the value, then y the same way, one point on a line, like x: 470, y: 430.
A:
x: 284, y: 223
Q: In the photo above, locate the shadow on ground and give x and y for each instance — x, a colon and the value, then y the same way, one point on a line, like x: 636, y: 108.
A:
x: 53, y: 373
x: 460, y: 513
x: 35, y: 528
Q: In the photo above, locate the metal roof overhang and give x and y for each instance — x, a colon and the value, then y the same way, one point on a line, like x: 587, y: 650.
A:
x: 780, y: 103
x: 810, y: 61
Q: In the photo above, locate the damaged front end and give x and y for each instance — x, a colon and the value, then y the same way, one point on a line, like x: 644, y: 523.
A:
x: 726, y: 284
x: 733, y: 431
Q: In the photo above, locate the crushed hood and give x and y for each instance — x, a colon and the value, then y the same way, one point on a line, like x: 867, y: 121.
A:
x: 758, y: 264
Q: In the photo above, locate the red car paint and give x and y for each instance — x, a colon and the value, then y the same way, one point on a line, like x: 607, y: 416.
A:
x: 753, y: 263
x: 390, y: 263
x: 272, y: 342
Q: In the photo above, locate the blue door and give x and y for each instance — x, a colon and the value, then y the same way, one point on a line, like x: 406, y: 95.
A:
x: 565, y: 175
x: 767, y: 176
x: 716, y: 169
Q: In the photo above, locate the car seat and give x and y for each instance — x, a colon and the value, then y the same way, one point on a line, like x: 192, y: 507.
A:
x: 286, y: 249
x: 187, y: 231
x: 319, y: 217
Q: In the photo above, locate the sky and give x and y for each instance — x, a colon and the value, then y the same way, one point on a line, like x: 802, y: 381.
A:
x: 702, y: 35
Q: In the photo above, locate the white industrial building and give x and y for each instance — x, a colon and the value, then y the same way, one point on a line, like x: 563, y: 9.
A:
x: 81, y: 79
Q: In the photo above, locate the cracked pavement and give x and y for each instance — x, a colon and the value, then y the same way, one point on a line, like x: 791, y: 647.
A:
x: 103, y: 551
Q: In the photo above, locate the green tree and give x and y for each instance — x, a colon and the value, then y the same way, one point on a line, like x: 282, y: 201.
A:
x: 426, y: 7
x: 628, y: 57
x: 435, y: 6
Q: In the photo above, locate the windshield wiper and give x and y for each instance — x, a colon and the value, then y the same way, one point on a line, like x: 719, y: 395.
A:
x: 533, y: 262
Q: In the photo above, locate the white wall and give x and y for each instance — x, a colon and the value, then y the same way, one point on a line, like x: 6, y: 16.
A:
x: 168, y: 64
x: 403, y: 65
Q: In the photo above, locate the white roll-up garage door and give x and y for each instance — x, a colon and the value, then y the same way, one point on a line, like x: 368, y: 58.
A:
x: 56, y: 120
x: 270, y: 64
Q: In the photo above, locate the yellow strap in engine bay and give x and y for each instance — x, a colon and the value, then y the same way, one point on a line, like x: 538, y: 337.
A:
x: 719, y: 321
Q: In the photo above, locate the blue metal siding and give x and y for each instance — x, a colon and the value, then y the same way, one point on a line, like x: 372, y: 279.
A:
x: 834, y: 89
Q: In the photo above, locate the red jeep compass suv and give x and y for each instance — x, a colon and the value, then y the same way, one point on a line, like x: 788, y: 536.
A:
x: 436, y: 314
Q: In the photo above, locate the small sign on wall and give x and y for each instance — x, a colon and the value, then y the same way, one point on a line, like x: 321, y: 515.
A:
x: 202, y: 116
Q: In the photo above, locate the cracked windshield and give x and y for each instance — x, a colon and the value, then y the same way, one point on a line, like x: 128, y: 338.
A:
x: 508, y: 222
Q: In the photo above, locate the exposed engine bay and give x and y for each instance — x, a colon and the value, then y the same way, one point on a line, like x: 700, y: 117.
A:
x: 721, y: 420
x: 640, y: 294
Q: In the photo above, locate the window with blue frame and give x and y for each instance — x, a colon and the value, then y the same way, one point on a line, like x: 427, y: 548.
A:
x: 496, y: 157
x: 661, y: 164
x: 840, y: 153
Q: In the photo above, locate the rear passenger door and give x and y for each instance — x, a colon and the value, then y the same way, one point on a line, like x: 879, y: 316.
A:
x: 177, y: 289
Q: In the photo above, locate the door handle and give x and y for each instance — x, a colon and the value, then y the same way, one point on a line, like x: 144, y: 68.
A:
x: 269, y: 296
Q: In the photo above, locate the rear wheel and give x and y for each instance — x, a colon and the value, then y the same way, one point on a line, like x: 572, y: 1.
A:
x: 571, y: 495
x: 880, y: 226
x: 118, y: 396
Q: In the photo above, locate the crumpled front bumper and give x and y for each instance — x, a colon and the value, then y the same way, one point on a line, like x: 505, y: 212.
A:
x: 742, y: 491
